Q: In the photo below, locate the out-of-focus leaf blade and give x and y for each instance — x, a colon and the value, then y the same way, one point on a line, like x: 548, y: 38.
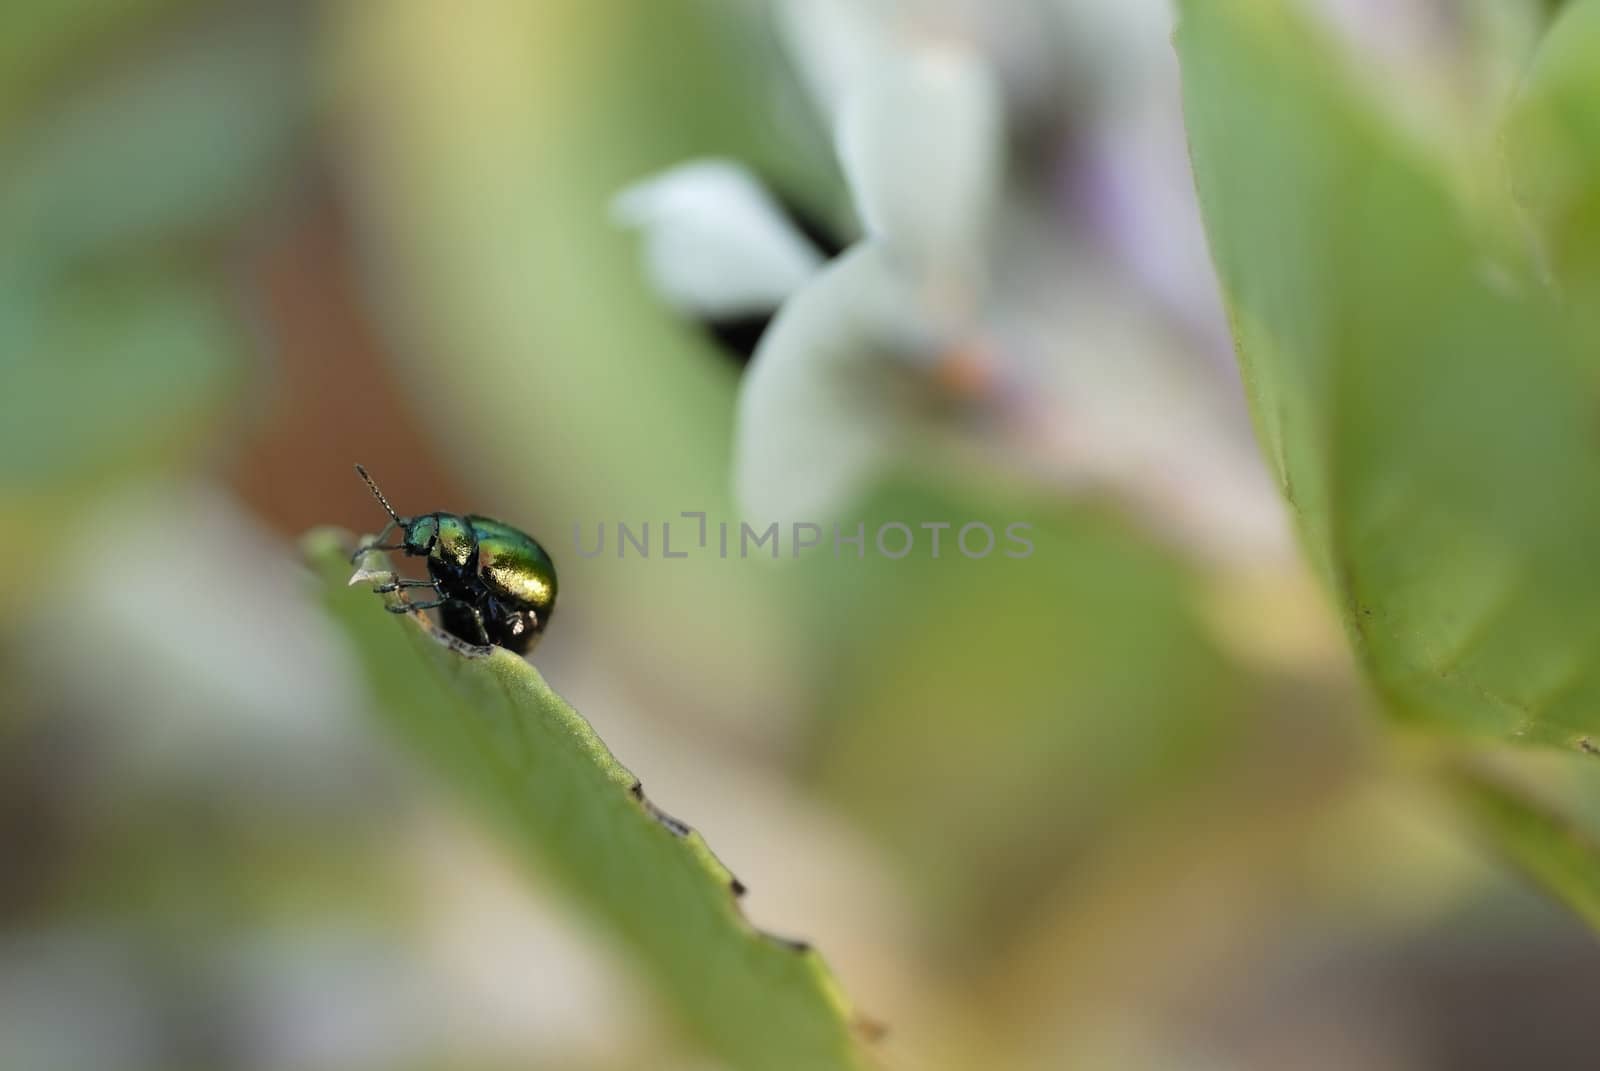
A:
x: 116, y: 352
x: 107, y: 375
x: 160, y: 151
x: 1419, y: 396
x: 1561, y: 857
x: 1032, y: 705
x: 40, y: 37
x: 498, y: 731
x: 1552, y: 147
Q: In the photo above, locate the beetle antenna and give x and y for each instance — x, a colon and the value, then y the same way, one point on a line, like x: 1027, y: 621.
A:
x: 379, y: 494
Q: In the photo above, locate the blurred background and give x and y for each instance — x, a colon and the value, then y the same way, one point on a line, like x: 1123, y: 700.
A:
x: 1121, y: 804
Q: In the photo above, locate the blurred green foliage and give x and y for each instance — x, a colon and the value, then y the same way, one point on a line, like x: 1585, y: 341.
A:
x: 115, y: 203
x: 1552, y: 147
x: 1035, y: 708
x: 1562, y: 855
x: 1426, y: 405
x: 44, y: 42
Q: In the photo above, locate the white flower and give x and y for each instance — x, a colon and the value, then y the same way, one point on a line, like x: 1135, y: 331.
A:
x: 849, y: 371
x: 920, y: 145
x: 716, y: 244
x: 838, y: 44
x: 870, y: 355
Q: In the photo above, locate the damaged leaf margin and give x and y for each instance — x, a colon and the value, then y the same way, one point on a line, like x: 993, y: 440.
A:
x: 500, y: 734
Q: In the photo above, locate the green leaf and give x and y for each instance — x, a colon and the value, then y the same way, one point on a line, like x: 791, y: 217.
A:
x: 1561, y: 857
x: 1420, y: 397
x: 38, y: 38
x: 118, y: 346
x: 108, y: 375
x: 1552, y: 147
x: 1034, y: 706
x: 497, y: 730
x: 165, y: 150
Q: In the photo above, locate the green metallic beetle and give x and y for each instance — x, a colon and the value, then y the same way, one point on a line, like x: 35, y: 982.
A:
x: 495, y: 584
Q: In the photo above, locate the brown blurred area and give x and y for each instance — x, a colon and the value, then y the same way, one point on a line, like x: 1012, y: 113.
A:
x: 324, y: 396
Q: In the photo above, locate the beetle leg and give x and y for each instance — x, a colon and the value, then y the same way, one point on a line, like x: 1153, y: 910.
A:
x: 396, y: 585
x: 477, y: 617
x: 412, y: 607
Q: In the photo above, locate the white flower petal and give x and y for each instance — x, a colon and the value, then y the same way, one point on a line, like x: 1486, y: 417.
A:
x: 920, y: 144
x: 837, y: 45
x: 822, y: 406
x: 716, y: 243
